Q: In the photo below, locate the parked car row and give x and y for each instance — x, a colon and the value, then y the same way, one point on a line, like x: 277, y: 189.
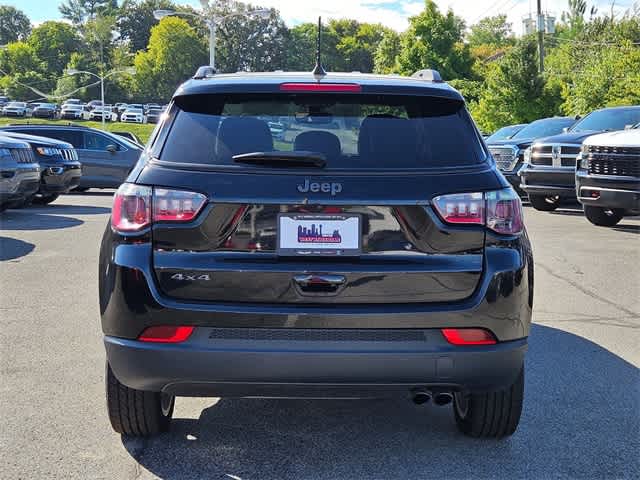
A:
x: 40, y: 162
x: 542, y: 160
x: 75, y: 109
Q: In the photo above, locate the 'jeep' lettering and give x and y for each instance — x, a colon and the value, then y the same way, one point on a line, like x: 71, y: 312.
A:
x: 325, y: 187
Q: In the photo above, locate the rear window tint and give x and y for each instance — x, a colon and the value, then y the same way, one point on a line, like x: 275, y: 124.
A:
x: 352, y: 132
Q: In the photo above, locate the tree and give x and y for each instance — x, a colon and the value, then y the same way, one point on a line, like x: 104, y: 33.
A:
x: 357, y: 44
x: 249, y: 43
x: 135, y: 20
x: 175, y: 52
x: 53, y: 43
x: 386, y: 56
x: 494, y: 31
x: 79, y: 11
x: 301, y: 48
x: 14, y: 25
x: 515, y: 92
x: 434, y: 40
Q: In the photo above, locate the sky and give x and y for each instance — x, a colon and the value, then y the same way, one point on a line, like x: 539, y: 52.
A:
x: 392, y: 13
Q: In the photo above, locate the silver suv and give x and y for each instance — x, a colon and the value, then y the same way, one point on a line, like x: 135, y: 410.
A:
x: 19, y: 173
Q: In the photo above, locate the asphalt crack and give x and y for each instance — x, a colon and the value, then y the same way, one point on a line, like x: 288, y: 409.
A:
x: 586, y: 291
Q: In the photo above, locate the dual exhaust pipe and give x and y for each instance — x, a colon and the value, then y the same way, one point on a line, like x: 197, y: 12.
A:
x: 421, y: 396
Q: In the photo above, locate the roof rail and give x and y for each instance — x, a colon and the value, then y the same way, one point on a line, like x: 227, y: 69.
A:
x: 428, y: 75
x: 204, y: 72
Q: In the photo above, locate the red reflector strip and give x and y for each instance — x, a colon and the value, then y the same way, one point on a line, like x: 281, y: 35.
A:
x: 165, y: 334
x: 321, y: 87
x: 468, y: 336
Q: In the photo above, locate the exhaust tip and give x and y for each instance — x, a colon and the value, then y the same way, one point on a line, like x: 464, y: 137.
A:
x: 420, y: 397
x: 443, y: 398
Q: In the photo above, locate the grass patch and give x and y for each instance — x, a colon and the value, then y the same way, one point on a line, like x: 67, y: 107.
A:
x: 142, y: 131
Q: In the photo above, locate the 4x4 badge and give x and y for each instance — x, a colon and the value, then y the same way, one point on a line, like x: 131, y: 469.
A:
x: 325, y: 187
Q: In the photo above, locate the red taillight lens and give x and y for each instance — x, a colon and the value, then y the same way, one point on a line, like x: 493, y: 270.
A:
x: 176, y: 205
x: 321, y: 87
x: 468, y: 336
x: 136, y: 207
x: 131, y: 208
x: 504, y: 212
x: 500, y: 210
x: 165, y: 334
x: 461, y: 208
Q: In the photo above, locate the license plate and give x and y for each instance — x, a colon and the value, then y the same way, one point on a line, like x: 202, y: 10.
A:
x: 304, y: 234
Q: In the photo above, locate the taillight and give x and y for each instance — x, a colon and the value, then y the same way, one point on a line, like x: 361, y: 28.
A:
x: 166, y: 334
x: 135, y: 207
x: 131, y: 208
x: 176, y: 205
x: 468, y: 336
x: 500, y: 210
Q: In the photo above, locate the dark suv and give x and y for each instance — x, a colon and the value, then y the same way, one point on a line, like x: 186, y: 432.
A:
x: 373, y: 249
x: 60, y: 169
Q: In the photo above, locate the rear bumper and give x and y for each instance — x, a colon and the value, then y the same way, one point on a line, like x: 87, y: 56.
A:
x: 239, y: 362
x: 536, y: 180
x: 608, y: 191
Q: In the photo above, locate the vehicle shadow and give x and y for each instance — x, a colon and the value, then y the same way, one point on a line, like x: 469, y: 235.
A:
x: 627, y: 228
x: 580, y: 421
x: 27, y: 219
x: 12, y: 248
x: 72, y: 209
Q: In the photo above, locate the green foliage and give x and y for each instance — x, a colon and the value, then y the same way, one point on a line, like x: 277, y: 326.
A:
x: 135, y: 20
x: 434, y: 40
x: 14, y: 25
x: 159, y: 71
x: 494, y: 31
x: 386, y: 55
x: 53, y: 43
x: 80, y: 11
x: 515, y: 92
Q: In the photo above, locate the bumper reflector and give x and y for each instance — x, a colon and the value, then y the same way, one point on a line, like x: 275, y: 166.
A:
x: 468, y: 336
x: 165, y: 334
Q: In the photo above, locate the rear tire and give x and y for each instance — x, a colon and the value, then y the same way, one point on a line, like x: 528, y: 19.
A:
x: 544, y: 203
x: 136, y: 412
x: 490, y: 415
x: 603, y: 217
x: 40, y: 199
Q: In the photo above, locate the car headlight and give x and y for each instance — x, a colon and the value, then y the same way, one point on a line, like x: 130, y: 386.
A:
x: 527, y: 156
x: 5, y: 152
x: 583, y: 161
x: 48, y: 151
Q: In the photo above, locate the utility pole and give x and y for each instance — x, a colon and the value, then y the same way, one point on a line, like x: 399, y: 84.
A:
x: 540, y: 28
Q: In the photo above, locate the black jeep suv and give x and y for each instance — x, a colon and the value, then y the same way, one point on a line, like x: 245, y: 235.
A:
x: 372, y: 249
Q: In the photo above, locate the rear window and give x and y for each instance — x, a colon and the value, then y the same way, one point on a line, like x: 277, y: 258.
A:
x: 352, y: 132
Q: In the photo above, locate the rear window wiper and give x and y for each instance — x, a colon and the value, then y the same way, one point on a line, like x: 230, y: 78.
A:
x: 297, y: 158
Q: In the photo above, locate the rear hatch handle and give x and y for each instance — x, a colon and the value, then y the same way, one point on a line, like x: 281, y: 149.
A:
x: 319, y: 284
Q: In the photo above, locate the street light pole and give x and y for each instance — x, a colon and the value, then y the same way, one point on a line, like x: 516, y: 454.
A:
x: 212, y: 21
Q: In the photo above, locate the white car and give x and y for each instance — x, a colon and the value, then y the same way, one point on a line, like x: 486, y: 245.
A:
x: 17, y: 109
x: 72, y: 111
x: 107, y: 111
x: 133, y: 115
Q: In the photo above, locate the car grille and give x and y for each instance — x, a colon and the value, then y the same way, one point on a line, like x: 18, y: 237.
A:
x: 23, y: 155
x: 617, y: 161
x: 505, y: 157
x: 69, y: 154
x: 555, y: 155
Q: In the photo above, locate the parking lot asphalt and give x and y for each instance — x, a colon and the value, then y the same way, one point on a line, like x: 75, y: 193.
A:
x: 582, y: 403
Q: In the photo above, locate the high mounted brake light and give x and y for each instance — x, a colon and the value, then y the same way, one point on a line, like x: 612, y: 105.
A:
x: 136, y: 207
x: 500, y: 210
x: 321, y: 87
